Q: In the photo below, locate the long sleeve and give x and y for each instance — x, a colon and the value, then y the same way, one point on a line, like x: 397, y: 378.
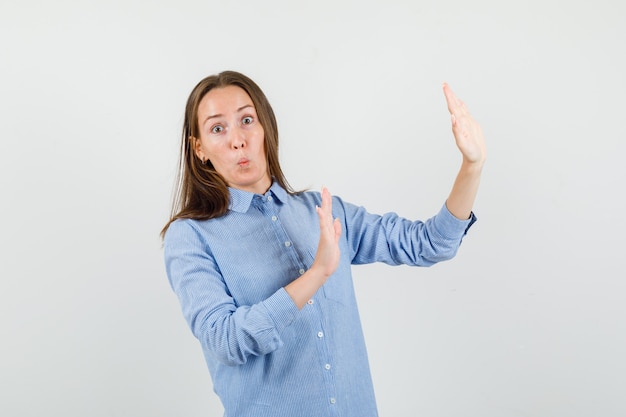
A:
x: 229, y: 332
x: 395, y: 240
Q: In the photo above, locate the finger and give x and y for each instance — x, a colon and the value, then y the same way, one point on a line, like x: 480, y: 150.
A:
x: 326, y: 199
x: 325, y: 211
x: 455, y: 105
x: 451, y: 99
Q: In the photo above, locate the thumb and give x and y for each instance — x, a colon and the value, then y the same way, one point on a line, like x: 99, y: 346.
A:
x: 337, y: 227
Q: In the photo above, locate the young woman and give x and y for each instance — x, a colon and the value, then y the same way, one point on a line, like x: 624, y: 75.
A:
x: 263, y: 272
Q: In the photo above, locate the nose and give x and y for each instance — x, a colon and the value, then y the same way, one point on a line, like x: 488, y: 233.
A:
x: 239, y: 139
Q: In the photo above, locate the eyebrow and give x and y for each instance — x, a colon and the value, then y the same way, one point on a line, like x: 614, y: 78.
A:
x: 213, y: 116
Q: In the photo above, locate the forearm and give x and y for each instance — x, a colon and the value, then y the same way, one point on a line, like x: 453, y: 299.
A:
x: 461, y: 199
x: 232, y: 334
x: 304, y: 288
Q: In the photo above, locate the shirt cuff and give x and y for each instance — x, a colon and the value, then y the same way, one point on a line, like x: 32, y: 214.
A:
x: 281, y: 309
x: 450, y: 226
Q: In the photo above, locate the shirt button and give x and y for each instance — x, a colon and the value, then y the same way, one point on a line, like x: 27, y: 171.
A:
x: 269, y: 198
x: 310, y: 302
x: 287, y: 243
x: 333, y: 400
x: 320, y: 334
x: 274, y: 218
x: 327, y: 366
x: 301, y: 271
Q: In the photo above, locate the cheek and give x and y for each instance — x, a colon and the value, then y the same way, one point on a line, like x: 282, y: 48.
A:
x: 215, y: 149
x: 213, y: 153
x: 260, y: 138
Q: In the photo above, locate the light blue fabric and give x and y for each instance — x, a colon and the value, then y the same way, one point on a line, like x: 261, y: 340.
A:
x: 266, y: 357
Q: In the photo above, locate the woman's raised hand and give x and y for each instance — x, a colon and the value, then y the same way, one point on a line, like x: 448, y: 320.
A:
x: 328, y: 254
x: 467, y: 132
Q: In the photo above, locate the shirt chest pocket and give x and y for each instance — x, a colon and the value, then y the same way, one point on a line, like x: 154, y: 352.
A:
x: 339, y: 286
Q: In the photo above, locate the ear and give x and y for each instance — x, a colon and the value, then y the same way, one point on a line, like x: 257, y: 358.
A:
x: 196, y: 144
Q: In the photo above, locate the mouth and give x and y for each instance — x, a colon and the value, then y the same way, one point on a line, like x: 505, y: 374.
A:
x: 243, y: 162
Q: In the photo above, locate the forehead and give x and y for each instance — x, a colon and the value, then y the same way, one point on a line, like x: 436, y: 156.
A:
x: 223, y: 100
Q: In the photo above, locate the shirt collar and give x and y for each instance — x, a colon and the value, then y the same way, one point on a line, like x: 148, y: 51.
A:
x: 240, y: 200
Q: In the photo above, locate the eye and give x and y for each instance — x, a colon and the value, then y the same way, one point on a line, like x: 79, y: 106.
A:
x: 247, y: 120
x: 217, y: 129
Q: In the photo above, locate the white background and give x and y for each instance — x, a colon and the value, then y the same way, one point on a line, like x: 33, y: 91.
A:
x: 528, y: 320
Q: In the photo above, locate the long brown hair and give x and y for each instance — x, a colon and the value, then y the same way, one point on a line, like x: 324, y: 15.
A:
x: 201, y: 193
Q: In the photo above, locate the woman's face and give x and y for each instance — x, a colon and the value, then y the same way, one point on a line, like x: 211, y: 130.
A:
x: 231, y: 138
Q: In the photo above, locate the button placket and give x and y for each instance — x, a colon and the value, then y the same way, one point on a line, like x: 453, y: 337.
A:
x: 269, y: 207
x: 325, y: 356
x: 272, y: 210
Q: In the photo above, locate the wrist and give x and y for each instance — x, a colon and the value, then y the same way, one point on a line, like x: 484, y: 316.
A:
x: 472, y: 167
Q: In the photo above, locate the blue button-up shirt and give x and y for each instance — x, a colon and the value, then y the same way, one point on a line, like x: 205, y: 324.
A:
x: 266, y: 357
